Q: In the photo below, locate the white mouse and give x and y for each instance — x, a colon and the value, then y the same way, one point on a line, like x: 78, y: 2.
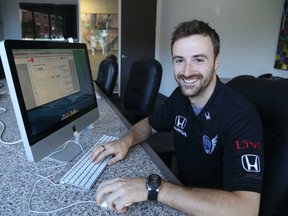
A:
x: 104, y: 203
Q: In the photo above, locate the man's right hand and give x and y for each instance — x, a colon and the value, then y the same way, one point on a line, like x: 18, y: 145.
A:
x: 137, y: 134
x: 119, y: 148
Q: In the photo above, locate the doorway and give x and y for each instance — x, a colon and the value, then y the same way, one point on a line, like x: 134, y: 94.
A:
x: 138, y: 30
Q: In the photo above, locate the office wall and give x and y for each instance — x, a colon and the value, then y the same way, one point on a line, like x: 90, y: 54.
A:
x: 1, y: 23
x: 248, y: 30
x: 11, y: 25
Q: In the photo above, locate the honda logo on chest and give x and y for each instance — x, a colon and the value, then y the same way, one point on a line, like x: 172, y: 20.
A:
x: 180, y: 122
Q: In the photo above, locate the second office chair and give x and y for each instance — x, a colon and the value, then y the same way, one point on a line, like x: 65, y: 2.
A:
x: 142, y: 89
x: 107, y: 76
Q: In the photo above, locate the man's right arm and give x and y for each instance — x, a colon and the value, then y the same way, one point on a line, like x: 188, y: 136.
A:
x: 138, y: 133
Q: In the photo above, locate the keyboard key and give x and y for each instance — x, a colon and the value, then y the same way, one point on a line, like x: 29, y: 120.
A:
x: 85, y: 173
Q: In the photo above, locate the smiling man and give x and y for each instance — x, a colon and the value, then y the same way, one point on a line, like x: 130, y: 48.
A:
x: 217, y: 135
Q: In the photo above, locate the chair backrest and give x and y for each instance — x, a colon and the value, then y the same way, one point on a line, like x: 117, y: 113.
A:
x: 143, y: 86
x: 107, y: 76
x: 271, y: 100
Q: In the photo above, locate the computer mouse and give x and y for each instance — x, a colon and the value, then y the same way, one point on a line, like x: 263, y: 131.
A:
x: 104, y: 203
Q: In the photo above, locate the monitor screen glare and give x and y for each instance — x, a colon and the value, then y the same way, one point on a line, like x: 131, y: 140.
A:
x: 52, y: 91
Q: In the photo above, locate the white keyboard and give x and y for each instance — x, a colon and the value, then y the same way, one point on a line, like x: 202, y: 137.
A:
x: 85, y: 173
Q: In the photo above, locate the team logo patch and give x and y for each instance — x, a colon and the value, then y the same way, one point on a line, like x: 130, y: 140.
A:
x: 209, y: 145
x: 207, y: 116
x: 251, y: 162
x: 180, y: 123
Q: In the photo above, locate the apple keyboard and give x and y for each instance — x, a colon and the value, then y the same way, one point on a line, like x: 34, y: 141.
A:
x: 85, y: 173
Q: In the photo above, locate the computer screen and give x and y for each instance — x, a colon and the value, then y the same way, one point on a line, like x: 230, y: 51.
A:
x: 52, y: 91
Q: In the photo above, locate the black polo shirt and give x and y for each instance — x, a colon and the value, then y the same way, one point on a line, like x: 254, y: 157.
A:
x: 219, y: 148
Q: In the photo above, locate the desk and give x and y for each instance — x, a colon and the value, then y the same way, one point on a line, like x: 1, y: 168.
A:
x: 19, y: 181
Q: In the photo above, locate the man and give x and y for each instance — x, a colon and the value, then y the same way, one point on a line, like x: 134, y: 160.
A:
x: 217, y: 135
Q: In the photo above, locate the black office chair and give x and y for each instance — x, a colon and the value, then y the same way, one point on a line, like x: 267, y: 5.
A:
x: 246, y: 76
x: 270, y: 99
x: 142, y: 89
x: 107, y: 76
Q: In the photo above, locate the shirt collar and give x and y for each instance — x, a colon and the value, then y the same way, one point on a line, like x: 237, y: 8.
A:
x: 208, y: 112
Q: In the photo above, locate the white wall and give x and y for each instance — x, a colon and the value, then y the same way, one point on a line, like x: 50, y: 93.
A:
x: 248, y: 31
x: 1, y: 22
x: 11, y: 24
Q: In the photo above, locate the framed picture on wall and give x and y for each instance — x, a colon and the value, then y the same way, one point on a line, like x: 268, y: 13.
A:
x: 281, y: 58
x: 100, y: 31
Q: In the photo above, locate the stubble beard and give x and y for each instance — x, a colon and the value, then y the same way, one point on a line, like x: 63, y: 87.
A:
x: 197, y: 88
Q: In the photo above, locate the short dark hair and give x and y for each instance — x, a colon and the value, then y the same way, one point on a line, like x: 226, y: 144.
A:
x: 196, y: 27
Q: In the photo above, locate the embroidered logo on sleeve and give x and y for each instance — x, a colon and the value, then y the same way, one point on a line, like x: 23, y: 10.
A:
x: 209, y: 145
x: 251, y: 162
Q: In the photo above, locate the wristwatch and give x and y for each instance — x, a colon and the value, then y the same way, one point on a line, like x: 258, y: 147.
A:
x: 153, y: 184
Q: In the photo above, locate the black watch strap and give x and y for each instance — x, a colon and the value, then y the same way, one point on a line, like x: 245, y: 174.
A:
x: 153, y: 185
x: 152, y: 195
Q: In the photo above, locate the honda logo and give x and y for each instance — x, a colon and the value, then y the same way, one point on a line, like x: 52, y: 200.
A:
x: 251, y: 163
x: 180, y: 122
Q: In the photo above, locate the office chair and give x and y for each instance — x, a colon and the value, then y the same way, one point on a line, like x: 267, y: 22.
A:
x: 142, y: 89
x: 246, y: 76
x: 270, y: 99
x: 107, y: 76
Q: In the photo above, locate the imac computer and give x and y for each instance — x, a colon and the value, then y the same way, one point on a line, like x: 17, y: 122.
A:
x: 52, y: 92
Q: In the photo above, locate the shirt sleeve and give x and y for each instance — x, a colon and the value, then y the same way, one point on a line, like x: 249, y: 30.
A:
x: 162, y: 118
x: 243, y: 154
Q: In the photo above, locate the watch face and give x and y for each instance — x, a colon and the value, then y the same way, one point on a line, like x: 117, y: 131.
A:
x: 154, y: 181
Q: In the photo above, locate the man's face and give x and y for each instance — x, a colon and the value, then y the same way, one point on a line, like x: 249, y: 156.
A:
x: 194, y: 66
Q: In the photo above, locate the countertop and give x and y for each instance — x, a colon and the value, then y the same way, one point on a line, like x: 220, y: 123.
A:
x: 23, y: 185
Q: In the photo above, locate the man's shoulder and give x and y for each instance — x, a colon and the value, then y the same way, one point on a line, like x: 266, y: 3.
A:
x: 177, y: 98
x: 236, y: 101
